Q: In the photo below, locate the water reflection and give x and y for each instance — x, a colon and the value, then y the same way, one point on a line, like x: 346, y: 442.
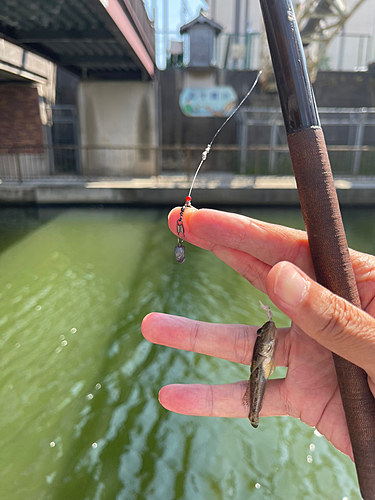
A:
x: 79, y: 415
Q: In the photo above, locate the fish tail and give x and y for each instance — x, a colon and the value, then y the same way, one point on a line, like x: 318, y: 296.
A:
x: 254, y: 421
x: 256, y: 402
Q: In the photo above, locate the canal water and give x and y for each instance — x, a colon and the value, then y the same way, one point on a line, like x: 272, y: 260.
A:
x: 79, y: 416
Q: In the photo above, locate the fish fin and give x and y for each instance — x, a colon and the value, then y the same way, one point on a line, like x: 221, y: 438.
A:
x: 267, y: 350
x: 273, y: 366
x: 246, y: 398
x: 269, y: 368
x: 257, y: 363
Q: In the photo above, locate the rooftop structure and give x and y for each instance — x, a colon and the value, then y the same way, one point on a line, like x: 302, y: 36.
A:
x: 203, y: 33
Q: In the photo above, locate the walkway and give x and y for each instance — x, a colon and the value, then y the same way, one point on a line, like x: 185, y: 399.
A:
x: 170, y: 190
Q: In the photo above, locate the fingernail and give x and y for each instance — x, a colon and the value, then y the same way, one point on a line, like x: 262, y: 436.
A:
x: 290, y: 285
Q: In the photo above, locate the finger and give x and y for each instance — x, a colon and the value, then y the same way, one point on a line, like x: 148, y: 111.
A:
x: 251, y: 268
x: 247, y: 266
x: 364, y: 270
x: 264, y: 245
x: 227, y: 401
x: 267, y: 242
x: 220, y: 400
x: 231, y: 342
x: 330, y: 320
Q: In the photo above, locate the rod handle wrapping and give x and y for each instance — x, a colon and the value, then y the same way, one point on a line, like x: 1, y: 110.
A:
x: 332, y: 265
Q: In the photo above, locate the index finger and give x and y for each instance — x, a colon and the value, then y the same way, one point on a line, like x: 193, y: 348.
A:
x: 269, y: 243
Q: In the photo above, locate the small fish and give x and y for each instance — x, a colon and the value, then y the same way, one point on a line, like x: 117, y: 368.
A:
x: 262, y: 366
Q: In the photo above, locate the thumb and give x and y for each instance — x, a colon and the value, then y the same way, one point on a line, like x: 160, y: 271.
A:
x: 330, y: 320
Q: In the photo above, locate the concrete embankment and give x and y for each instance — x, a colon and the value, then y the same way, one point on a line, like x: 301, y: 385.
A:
x: 209, y: 190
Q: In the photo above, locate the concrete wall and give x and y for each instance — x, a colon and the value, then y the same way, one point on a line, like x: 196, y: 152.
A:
x: 114, y: 115
x: 27, y: 84
x: 19, y: 63
x: 332, y: 89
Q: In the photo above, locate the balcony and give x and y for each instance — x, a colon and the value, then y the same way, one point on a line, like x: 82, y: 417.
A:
x: 95, y: 39
x: 144, y: 26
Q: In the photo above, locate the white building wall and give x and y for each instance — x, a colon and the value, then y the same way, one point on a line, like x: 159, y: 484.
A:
x: 223, y: 12
x: 362, y: 22
x: 355, y: 52
x: 114, y: 115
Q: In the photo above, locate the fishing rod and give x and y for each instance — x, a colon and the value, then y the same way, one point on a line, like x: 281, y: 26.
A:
x: 322, y: 217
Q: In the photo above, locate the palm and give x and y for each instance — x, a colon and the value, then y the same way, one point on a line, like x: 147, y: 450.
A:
x: 310, y: 389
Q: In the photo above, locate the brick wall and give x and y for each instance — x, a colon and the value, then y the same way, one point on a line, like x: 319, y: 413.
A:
x: 20, y: 124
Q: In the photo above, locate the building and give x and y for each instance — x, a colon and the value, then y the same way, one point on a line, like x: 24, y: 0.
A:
x: 240, y: 44
x: 77, y: 89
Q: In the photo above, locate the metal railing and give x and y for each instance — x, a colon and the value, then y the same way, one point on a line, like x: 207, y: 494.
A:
x: 239, y: 52
x: 93, y: 162
x: 349, y: 133
x: 346, y: 52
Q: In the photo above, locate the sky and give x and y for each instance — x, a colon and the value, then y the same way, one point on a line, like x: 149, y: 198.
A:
x: 179, y: 12
x: 175, y: 8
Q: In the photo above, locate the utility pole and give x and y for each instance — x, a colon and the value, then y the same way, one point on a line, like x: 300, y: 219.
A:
x: 165, y: 29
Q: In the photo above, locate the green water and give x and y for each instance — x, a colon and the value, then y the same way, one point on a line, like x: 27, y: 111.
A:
x: 79, y: 416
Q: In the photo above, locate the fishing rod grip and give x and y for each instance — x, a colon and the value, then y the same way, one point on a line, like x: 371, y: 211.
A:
x: 333, y: 269
x: 322, y: 217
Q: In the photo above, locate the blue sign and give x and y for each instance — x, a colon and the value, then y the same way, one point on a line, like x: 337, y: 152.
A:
x: 208, y: 101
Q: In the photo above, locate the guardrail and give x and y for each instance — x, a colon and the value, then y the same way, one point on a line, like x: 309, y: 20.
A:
x: 92, y: 162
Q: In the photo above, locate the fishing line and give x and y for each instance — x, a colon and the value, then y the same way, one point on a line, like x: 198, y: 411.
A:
x: 179, y: 250
x: 263, y: 359
x: 267, y: 309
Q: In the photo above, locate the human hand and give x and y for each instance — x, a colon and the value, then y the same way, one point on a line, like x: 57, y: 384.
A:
x: 276, y: 259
